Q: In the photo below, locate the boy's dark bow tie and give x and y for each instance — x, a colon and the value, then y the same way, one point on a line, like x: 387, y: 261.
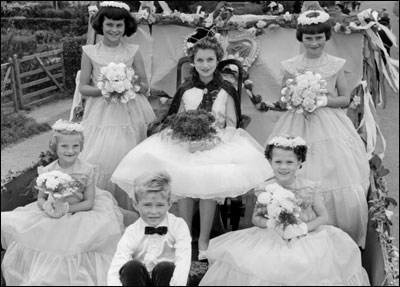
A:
x: 153, y: 230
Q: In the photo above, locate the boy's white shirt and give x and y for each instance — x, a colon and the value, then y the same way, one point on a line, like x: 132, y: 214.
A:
x: 175, y: 246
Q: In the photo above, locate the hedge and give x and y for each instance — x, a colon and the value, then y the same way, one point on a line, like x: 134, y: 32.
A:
x: 64, y: 26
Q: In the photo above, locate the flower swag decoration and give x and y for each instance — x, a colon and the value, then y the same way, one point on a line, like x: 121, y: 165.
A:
x: 381, y: 219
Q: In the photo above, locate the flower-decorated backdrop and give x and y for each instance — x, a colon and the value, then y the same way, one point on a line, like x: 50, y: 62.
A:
x: 267, y: 40
x: 163, y: 48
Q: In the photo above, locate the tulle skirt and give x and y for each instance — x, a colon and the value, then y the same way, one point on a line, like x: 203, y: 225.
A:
x: 260, y: 257
x: 75, y: 249
x: 229, y: 169
x: 111, y: 130
x: 336, y: 157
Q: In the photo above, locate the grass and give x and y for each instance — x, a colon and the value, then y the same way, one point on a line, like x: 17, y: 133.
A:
x: 16, y: 127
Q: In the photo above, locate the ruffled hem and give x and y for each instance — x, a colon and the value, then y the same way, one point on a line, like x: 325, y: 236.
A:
x: 224, y: 274
x: 228, y: 170
x: 256, y: 256
x: 26, y: 266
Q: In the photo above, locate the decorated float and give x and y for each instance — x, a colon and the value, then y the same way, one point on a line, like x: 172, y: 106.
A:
x: 260, y: 43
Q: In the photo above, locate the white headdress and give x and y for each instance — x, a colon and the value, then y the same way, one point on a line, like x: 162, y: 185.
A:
x: 67, y: 127
x: 313, y: 17
x: 287, y: 141
x: 115, y: 4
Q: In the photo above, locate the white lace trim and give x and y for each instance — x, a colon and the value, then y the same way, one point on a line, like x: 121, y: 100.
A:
x: 123, y: 53
x: 327, y: 65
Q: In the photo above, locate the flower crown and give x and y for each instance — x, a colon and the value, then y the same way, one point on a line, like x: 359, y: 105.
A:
x: 115, y: 4
x: 286, y: 141
x: 67, y: 126
x: 312, y: 17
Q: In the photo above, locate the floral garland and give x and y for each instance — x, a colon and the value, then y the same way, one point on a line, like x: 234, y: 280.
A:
x: 115, y: 4
x: 285, y: 141
x: 381, y: 220
x: 67, y: 126
x: 307, y: 18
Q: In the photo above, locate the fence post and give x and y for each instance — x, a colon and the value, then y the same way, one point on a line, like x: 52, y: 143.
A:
x: 17, y: 81
x: 14, y: 85
x: 63, y: 67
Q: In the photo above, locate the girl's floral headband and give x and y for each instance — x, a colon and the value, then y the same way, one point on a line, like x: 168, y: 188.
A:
x: 115, y: 4
x: 67, y: 126
x: 286, y: 141
x: 312, y: 17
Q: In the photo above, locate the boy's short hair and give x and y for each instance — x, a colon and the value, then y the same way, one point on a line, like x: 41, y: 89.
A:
x: 152, y: 181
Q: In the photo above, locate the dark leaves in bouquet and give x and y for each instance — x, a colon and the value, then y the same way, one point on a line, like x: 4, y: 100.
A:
x: 192, y: 125
x: 287, y: 218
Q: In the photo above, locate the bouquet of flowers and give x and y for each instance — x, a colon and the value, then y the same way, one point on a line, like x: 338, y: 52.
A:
x: 194, y: 128
x: 300, y: 94
x: 116, y: 83
x: 282, y: 210
x: 58, y: 184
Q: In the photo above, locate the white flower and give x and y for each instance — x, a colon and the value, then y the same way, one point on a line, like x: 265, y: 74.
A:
x: 287, y: 16
x: 52, y: 180
x: 287, y: 142
x: 264, y: 198
x: 252, y: 30
x: 163, y: 100
x: 115, y: 82
x: 357, y: 100
x: 261, y: 24
x: 337, y: 26
x: 274, y: 210
x: 67, y: 126
x: 389, y: 214
x: 115, y: 4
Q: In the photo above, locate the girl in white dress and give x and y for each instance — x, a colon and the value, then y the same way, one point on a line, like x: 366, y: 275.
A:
x: 112, y: 129
x: 69, y: 241
x: 229, y: 169
x: 337, y: 155
x: 260, y: 256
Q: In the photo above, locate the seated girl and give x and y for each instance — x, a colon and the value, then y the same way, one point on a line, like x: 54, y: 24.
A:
x: 69, y: 236
x: 226, y: 166
x: 290, y: 243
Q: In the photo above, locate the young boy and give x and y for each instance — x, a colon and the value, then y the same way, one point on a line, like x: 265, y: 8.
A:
x: 156, y: 249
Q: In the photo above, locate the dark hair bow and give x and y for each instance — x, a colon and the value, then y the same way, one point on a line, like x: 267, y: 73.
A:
x: 153, y: 230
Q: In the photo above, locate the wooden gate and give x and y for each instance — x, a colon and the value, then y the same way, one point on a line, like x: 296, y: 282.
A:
x: 28, y: 80
x: 34, y: 70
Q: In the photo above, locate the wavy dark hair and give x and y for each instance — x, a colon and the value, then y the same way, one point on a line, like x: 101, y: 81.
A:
x: 207, y: 43
x: 114, y: 13
x: 300, y: 151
